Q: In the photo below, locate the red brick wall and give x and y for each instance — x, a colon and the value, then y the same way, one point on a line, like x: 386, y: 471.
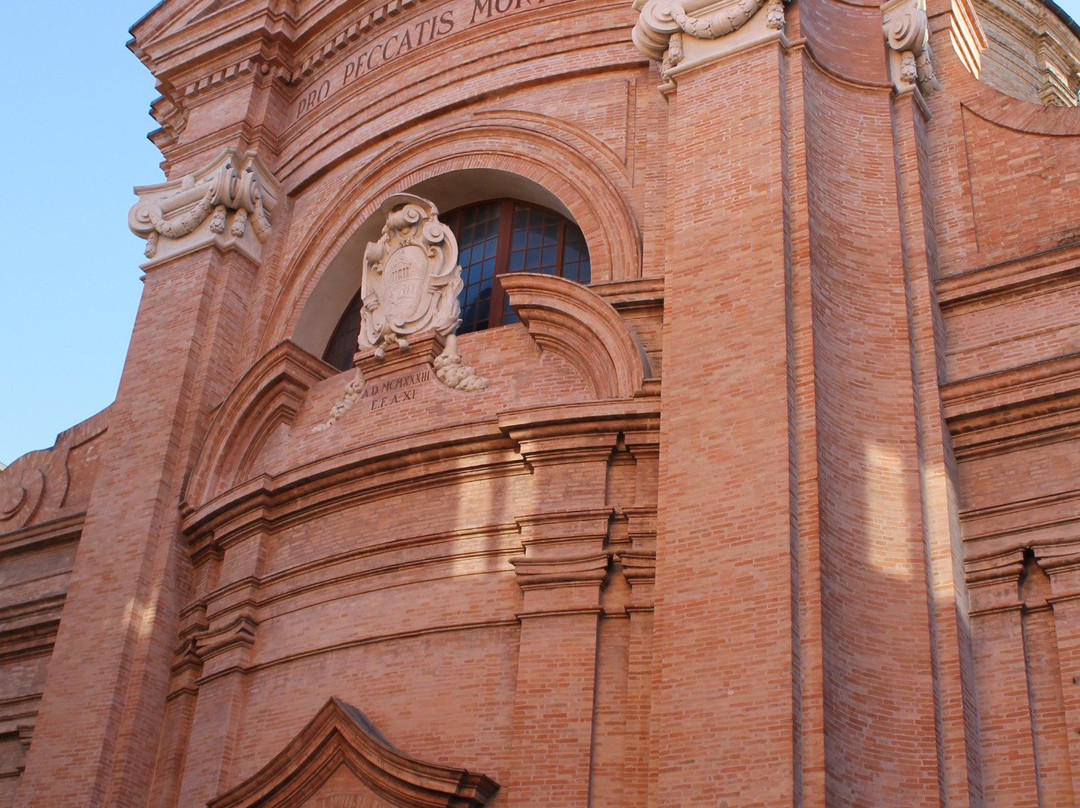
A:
x: 834, y: 563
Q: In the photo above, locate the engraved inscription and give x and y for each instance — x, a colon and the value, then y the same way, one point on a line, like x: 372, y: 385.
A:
x: 403, y: 40
x: 389, y: 392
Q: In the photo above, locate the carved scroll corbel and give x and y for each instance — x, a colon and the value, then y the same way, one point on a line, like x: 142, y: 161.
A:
x: 910, y: 57
x: 181, y: 215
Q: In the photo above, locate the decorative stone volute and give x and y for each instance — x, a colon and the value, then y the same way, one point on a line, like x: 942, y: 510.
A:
x: 910, y: 58
x: 228, y: 203
x: 682, y: 33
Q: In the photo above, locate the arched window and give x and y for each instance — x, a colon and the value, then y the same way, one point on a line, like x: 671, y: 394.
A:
x: 510, y: 236
x: 494, y: 237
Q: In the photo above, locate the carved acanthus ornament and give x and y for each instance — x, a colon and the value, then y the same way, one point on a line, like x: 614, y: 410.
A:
x: 720, y: 23
x: 353, y: 391
x: 228, y: 203
x: 910, y: 57
x: 775, y: 16
x: 673, y: 56
x: 678, y: 33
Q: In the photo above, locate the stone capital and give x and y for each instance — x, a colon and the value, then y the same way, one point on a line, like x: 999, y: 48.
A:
x: 681, y: 34
x: 228, y: 204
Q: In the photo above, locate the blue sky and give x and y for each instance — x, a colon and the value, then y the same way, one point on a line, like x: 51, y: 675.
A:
x: 74, y: 129
x: 75, y: 126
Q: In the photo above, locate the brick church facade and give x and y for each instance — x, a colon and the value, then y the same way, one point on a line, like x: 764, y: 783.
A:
x: 757, y: 487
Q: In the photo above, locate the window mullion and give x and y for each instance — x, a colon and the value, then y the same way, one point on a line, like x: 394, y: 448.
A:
x: 502, y: 261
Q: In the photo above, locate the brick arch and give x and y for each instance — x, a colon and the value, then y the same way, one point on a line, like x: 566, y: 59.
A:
x: 573, y: 173
x: 267, y: 398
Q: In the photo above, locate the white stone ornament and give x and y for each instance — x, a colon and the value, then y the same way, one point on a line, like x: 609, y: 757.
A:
x: 194, y: 211
x: 411, y: 280
x: 682, y: 34
x: 906, y: 29
x: 410, y: 286
x: 729, y: 17
x: 775, y: 18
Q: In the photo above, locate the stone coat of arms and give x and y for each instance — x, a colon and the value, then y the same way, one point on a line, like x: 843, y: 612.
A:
x: 411, y: 281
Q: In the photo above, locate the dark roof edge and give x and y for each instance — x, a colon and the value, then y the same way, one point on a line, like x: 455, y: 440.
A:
x: 1063, y: 16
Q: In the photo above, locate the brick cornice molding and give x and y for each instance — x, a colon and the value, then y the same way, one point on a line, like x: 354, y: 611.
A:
x: 565, y: 562
x: 555, y: 573
x: 1033, y: 403
x: 993, y: 582
x: 228, y: 204
x: 990, y: 285
x: 569, y: 320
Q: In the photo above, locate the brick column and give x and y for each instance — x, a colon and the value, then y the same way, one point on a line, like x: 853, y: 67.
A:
x: 722, y: 713
x: 639, y: 568
x: 560, y: 578
x: 1008, y: 759
x: 98, y: 730
x: 1063, y: 566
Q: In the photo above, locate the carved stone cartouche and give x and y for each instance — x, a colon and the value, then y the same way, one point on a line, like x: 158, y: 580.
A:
x: 411, y: 280
x: 410, y: 286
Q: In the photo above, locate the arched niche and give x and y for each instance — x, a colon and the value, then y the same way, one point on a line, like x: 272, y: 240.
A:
x: 454, y: 189
x: 500, y: 154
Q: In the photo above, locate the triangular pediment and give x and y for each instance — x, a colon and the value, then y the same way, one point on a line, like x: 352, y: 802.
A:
x: 339, y: 760
x: 171, y: 17
x: 213, y: 7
